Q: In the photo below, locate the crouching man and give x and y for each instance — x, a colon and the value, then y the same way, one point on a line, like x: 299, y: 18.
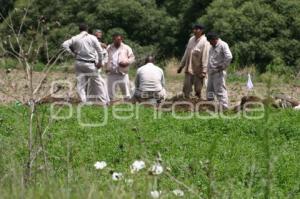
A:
x: 149, y: 82
x: 219, y: 59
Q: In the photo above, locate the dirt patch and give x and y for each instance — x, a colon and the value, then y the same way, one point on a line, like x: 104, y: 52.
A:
x: 15, y: 88
x: 14, y: 85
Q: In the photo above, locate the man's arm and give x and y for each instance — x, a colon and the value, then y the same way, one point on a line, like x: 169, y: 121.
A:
x: 98, y: 49
x: 137, y: 81
x: 131, y: 57
x: 227, y: 56
x: 183, y: 59
x: 182, y: 62
x: 205, y: 56
x: 67, y: 45
x: 104, y: 57
x: 163, y: 81
x: 107, y: 65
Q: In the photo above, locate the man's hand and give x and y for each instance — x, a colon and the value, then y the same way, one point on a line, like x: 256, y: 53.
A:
x: 179, y: 70
x: 99, y: 65
x: 221, y: 68
x: 123, y: 64
x: 103, y: 45
x: 203, y: 74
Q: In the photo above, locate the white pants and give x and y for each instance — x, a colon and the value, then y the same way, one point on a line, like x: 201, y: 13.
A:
x: 216, y: 86
x: 118, y: 80
x: 90, y: 85
x: 143, y: 95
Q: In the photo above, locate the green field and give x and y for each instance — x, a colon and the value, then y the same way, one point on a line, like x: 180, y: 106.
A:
x: 212, y: 158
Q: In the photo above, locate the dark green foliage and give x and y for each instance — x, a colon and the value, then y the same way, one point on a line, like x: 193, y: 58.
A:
x: 6, y: 6
x: 260, y: 32
x: 140, y: 22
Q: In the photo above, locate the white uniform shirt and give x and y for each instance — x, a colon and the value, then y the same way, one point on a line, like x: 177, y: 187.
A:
x: 115, y: 59
x: 195, y: 57
x: 219, y: 57
x: 84, y: 46
x: 116, y: 56
x: 149, y: 78
x: 104, y: 55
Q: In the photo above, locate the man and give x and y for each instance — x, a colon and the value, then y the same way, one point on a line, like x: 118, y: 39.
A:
x: 120, y: 56
x: 194, y: 61
x: 99, y: 34
x: 149, y: 82
x: 86, y: 48
x: 219, y: 59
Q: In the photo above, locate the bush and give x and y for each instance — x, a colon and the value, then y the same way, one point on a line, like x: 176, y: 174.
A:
x: 258, y: 32
x: 8, y: 63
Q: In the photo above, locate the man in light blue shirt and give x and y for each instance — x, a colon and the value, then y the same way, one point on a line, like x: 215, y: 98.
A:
x: 88, y: 54
x: 149, y: 82
x: 219, y: 59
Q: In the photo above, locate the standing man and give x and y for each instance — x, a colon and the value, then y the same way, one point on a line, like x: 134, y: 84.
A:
x: 120, y: 56
x: 194, y: 61
x: 219, y: 59
x: 99, y: 34
x: 87, y: 52
x: 149, y: 82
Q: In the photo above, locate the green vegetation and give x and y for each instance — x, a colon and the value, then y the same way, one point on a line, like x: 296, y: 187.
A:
x: 262, y: 33
x: 233, y: 157
x: 216, y: 158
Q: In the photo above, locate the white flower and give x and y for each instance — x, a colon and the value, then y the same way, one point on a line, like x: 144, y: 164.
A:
x: 117, y: 176
x: 178, y: 192
x: 155, y: 194
x: 157, y: 169
x: 137, y: 166
x: 100, y: 165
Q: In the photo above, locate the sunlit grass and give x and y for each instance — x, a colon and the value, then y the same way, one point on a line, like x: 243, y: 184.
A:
x: 214, y: 158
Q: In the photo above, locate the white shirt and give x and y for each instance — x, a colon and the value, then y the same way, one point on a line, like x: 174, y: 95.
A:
x: 219, y: 57
x: 195, y: 57
x: 117, y: 55
x: 104, y: 55
x: 84, y: 46
x: 115, y: 59
x: 149, y: 78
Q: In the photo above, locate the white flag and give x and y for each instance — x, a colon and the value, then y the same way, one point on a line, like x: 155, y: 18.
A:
x: 249, y: 83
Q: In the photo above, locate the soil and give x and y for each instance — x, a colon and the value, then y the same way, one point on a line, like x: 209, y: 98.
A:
x: 60, y: 86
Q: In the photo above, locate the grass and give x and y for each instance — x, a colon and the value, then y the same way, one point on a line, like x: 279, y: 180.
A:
x: 215, y: 158
x: 9, y: 63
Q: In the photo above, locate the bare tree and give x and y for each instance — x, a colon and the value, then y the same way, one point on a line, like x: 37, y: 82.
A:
x: 26, y: 49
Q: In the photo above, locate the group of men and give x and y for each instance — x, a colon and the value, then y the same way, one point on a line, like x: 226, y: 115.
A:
x: 204, y: 56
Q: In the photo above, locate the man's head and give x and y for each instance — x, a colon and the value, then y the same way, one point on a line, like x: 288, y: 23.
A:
x: 83, y: 27
x: 149, y: 59
x: 198, y: 30
x: 98, y: 33
x: 213, y: 38
x: 117, y: 39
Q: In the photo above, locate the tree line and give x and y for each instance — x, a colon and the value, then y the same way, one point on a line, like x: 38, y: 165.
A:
x: 264, y: 33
